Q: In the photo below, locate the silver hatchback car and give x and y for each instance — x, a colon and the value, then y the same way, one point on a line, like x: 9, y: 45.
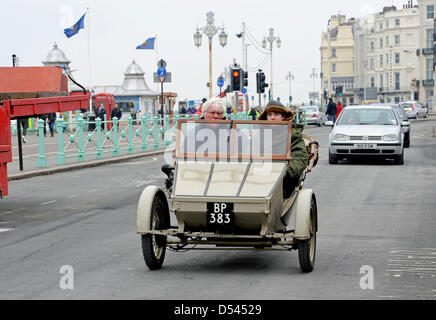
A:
x: 366, y: 131
x: 314, y: 115
x: 414, y: 109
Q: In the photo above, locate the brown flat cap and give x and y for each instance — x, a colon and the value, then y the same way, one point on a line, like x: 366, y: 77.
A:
x: 276, y: 106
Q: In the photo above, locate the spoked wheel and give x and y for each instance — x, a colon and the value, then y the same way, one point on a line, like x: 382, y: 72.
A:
x: 154, y: 246
x: 307, y: 248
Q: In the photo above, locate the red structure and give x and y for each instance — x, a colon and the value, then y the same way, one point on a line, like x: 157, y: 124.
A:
x: 42, y: 90
x: 108, y: 100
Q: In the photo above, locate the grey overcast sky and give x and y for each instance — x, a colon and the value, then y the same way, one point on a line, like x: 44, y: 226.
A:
x: 29, y: 28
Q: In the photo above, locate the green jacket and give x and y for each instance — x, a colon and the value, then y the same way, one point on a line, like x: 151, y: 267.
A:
x: 299, y: 156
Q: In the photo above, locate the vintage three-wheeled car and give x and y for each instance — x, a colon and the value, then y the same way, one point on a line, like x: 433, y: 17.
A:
x: 227, y: 188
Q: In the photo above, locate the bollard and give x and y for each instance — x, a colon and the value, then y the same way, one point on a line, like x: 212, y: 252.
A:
x: 60, y: 128
x: 81, y: 153
x: 156, y: 132
x: 144, y: 128
x: 42, y: 161
x: 131, y: 148
x: 100, y: 153
x: 116, y: 148
x: 167, y: 135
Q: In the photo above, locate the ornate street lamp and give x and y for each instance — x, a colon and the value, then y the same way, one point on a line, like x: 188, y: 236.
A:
x: 271, y: 38
x: 210, y: 30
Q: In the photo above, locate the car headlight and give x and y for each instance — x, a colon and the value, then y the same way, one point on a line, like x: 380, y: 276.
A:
x: 342, y: 137
x: 390, y: 137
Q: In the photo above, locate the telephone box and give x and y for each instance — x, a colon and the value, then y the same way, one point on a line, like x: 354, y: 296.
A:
x: 108, y: 101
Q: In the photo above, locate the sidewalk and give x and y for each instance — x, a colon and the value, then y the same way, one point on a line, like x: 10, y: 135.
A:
x: 30, y: 158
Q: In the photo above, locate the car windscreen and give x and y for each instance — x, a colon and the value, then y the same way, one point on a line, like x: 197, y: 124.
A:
x: 399, y: 112
x: 406, y: 105
x: 369, y: 116
x: 262, y: 140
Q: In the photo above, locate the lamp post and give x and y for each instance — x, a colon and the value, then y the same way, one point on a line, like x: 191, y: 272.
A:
x: 210, y: 30
x: 271, y: 38
x: 290, y: 77
x: 313, y: 76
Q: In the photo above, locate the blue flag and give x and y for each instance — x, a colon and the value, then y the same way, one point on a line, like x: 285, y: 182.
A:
x: 69, y: 32
x: 147, y: 44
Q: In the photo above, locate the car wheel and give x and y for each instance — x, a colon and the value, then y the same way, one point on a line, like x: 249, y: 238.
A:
x: 416, y: 116
x: 425, y: 115
x: 307, y: 248
x: 154, y: 246
x: 407, y: 140
x: 319, y: 124
x: 399, y: 159
x: 333, y: 159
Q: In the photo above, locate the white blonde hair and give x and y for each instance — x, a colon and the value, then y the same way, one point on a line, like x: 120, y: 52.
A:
x: 214, y: 102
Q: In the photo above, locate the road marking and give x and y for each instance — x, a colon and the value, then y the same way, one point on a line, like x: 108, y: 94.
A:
x: 48, y: 202
x: 5, y: 230
x: 73, y: 196
x: 14, y: 211
x: 94, y: 190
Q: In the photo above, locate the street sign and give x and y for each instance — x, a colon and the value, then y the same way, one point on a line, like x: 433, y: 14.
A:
x: 162, y: 72
x: 244, y: 90
x: 162, y: 63
x: 220, y: 82
x: 156, y: 77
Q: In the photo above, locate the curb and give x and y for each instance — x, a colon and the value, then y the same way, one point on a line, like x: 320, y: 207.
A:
x: 89, y: 164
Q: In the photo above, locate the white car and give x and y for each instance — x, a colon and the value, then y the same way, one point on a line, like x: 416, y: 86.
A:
x: 314, y: 115
x: 366, y: 131
x: 414, y: 109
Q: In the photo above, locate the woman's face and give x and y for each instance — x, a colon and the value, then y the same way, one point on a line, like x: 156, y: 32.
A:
x: 274, y: 116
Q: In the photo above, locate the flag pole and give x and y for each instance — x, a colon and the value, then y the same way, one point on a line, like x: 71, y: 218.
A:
x: 157, y: 57
x: 89, y: 62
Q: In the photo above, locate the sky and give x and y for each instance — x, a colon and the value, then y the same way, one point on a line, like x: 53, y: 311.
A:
x: 101, y: 52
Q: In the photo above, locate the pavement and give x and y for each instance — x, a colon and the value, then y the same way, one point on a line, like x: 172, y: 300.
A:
x: 30, y: 156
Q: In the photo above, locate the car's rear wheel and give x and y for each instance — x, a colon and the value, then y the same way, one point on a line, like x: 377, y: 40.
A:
x: 399, y: 159
x: 307, y: 248
x: 333, y: 159
x: 407, y: 140
x: 154, y: 246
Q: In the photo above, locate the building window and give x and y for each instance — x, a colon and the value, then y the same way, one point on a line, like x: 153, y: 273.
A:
x: 381, y: 26
x: 397, y: 39
x: 397, y: 58
x: 387, y: 40
x: 334, y: 52
x: 381, y: 43
x: 397, y: 22
x: 381, y: 81
x: 371, y: 45
x: 429, y: 39
x: 371, y: 63
x: 381, y: 60
x: 429, y: 69
x: 372, y: 82
x: 430, y: 12
x: 397, y: 81
x: 334, y: 67
x: 397, y: 99
x: 387, y: 23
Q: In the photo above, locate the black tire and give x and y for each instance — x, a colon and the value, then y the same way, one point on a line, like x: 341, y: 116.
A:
x: 319, y: 124
x: 407, y: 141
x: 154, y: 246
x: 399, y: 159
x: 307, y: 248
x: 333, y: 159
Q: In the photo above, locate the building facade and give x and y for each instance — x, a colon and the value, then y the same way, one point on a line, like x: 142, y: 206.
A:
x: 426, y: 51
x: 337, y: 58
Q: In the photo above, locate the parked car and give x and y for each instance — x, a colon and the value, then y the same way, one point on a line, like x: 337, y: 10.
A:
x: 366, y: 131
x: 314, y: 115
x: 414, y: 109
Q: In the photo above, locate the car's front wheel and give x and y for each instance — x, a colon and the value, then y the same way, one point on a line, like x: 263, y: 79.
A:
x: 333, y: 159
x: 307, y: 248
x: 399, y: 159
x: 407, y: 140
x: 154, y: 246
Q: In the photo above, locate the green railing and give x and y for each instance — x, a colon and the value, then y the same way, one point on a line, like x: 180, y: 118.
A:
x: 123, y: 137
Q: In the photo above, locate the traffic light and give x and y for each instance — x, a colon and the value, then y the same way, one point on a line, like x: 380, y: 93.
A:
x: 326, y: 95
x: 260, y: 82
x: 245, y: 75
x: 340, y: 90
x: 235, y: 78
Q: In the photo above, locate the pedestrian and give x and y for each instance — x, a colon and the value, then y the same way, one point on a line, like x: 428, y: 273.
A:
x: 229, y: 110
x: 339, y: 109
x: 44, y: 118
x: 192, y: 110
x: 116, y: 112
x: 253, y: 113
x: 276, y: 111
x: 51, y: 120
x: 183, y: 111
x: 214, y: 109
x: 101, y: 112
x: 331, y: 110
x: 24, y: 123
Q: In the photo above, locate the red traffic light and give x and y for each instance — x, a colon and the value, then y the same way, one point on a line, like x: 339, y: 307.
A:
x: 235, y: 74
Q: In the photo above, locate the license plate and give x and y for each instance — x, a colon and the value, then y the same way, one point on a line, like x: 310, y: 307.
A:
x: 365, y: 146
x: 219, y: 214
